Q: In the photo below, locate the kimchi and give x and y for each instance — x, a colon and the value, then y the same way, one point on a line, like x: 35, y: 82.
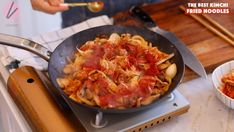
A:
x: 119, y: 71
x: 228, y: 84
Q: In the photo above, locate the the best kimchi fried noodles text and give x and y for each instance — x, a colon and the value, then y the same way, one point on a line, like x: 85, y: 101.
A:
x: 228, y: 84
x: 119, y: 71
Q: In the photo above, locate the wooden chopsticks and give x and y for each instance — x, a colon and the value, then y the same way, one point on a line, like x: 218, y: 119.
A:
x: 214, y: 30
x: 218, y: 25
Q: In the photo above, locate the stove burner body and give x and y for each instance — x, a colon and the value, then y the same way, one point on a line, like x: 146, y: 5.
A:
x: 175, y: 104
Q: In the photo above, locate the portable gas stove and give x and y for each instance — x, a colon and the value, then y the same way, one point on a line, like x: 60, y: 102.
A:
x: 172, y: 106
x: 175, y: 104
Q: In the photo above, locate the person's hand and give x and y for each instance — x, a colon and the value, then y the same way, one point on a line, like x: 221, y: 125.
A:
x: 48, y: 6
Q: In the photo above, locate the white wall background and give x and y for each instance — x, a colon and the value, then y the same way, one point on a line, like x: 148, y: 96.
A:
x: 29, y: 23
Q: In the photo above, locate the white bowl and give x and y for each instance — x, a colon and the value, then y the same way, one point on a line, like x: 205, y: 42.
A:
x: 217, y: 74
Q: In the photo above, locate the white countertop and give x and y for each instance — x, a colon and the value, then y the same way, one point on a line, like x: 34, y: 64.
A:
x: 206, y: 114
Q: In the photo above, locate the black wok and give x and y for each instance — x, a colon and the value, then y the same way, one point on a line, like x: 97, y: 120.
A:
x: 58, y: 58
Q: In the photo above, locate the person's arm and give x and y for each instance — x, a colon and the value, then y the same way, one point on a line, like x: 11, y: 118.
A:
x: 48, y: 6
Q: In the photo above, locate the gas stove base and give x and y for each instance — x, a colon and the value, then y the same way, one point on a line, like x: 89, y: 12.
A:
x: 171, y: 107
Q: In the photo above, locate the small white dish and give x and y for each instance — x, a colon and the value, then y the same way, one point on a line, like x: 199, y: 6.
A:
x: 217, y: 74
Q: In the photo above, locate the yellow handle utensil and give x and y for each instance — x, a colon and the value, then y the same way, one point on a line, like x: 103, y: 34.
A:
x: 92, y: 6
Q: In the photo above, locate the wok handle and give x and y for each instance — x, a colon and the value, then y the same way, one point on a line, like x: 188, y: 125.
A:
x: 25, y: 44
